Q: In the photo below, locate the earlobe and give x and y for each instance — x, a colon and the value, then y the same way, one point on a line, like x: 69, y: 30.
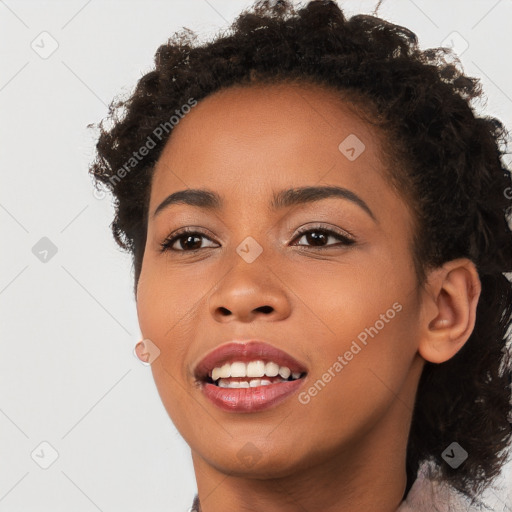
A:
x: 449, y: 309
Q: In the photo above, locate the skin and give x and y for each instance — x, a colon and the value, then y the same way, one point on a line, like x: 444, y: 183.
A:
x: 345, y: 449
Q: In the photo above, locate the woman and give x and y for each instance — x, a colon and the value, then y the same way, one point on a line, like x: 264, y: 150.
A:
x: 317, y: 219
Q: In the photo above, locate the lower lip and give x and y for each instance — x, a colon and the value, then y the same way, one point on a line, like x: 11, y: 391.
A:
x: 250, y: 399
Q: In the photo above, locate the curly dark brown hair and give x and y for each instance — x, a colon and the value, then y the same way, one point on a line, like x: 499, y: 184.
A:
x: 451, y: 172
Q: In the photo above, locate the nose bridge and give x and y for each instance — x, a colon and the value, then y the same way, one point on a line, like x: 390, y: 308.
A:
x: 249, y: 287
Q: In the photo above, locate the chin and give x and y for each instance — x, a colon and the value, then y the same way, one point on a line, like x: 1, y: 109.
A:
x: 250, y: 461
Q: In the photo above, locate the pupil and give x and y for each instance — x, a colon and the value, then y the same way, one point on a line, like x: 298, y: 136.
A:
x: 185, y: 242
x: 310, y: 236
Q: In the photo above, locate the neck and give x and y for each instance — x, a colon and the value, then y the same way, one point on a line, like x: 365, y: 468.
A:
x: 367, y: 475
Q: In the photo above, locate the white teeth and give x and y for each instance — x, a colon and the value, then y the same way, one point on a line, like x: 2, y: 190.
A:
x: 238, y: 369
x: 284, y: 372
x: 271, y: 369
x: 227, y: 384
x: 256, y: 368
x: 222, y: 372
x: 231, y: 384
x: 253, y: 383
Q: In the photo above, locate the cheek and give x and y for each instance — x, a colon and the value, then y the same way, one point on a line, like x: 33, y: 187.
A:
x: 161, y: 303
x: 366, y: 320
x: 166, y: 298
x: 356, y: 382
x: 344, y: 298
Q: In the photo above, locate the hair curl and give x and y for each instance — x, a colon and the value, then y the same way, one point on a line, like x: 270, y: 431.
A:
x: 450, y: 171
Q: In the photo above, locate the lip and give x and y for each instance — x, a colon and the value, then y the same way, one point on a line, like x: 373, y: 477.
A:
x: 245, y: 351
x: 248, y: 399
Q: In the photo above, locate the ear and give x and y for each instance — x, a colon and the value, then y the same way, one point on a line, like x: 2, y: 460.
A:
x: 141, y: 351
x: 449, y: 305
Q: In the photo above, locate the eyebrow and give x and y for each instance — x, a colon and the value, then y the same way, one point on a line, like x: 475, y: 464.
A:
x: 209, y: 200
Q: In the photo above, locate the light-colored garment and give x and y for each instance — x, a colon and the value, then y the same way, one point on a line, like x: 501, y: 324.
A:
x: 425, y: 495
x: 430, y: 495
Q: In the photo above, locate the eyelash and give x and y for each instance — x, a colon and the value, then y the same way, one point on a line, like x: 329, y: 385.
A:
x: 167, y: 244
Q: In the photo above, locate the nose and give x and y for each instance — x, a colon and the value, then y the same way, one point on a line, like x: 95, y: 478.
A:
x: 250, y: 291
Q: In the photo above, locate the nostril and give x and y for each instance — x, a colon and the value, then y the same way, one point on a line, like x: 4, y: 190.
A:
x: 265, y: 309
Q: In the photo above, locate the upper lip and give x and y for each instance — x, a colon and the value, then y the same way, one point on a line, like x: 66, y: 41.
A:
x: 245, y: 351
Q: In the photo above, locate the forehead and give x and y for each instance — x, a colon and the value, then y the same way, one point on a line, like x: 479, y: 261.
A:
x: 258, y: 136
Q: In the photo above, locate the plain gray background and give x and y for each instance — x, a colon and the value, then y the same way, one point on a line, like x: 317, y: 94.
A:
x: 68, y: 376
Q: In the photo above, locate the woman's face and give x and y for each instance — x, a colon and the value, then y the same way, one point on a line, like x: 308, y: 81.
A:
x: 347, y: 310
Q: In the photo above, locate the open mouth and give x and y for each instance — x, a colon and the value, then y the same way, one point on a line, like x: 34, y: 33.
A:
x: 250, y: 383
x: 251, y: 374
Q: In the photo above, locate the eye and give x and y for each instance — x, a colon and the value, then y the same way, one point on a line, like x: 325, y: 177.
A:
x: 318, y: 236
x: 189, y: 240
